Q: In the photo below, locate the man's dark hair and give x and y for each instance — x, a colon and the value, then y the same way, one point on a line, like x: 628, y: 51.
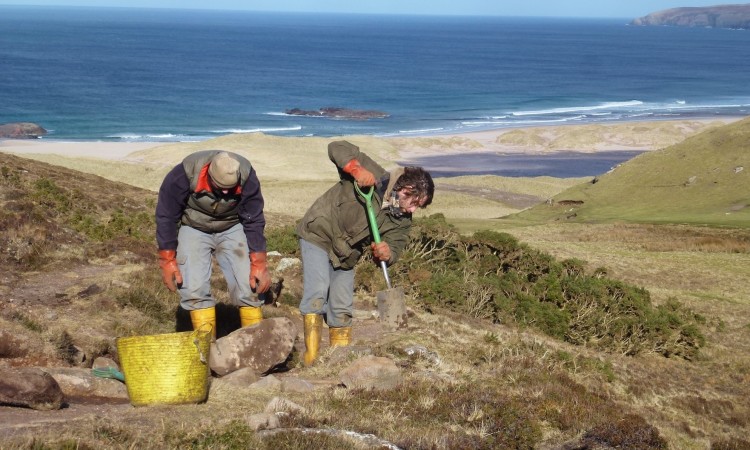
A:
x: 418, y: 181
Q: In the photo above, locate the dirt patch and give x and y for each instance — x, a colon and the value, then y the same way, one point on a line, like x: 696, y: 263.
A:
x: 512, y: 199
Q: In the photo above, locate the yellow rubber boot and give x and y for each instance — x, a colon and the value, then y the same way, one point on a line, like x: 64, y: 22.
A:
x: 250, y: 315
x: 201, y: 317
x: 340, y: 337
x: 313, y: 328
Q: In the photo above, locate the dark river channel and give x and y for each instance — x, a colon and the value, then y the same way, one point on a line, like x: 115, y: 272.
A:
x: 558, y: 165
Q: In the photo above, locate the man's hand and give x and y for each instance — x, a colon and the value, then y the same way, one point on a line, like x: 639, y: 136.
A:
x: 381, y: 251
x: 260, y: 279
x: 362, y: 176
x: 170, y: 272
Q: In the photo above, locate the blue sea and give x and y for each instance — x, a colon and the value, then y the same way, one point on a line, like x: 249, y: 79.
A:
x: 127, y: 74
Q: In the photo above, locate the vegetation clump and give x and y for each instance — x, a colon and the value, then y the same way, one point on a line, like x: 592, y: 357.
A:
x: 54, y: 214
x: 492, y: 276
x: 631, y: 431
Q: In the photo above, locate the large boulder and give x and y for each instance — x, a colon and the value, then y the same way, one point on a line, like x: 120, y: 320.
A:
x: 29, y: 387
x: 21, y: 130
x: 260, y: 347
x: 82, y: 385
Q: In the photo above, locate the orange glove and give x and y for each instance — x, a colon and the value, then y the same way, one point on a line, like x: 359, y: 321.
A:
x: 381, y: 251
x: 259, y: 276
x: 362, y: 176
x: 170, y: 273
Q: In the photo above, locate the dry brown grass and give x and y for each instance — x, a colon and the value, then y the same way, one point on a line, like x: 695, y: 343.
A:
x: 483, y: 379
x: 706, y: 269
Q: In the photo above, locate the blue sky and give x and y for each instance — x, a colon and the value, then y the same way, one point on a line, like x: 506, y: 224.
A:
x: 560, y: 8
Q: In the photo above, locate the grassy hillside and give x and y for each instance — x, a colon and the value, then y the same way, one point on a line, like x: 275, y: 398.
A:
x: 499, y: 369
x: 702, y: 180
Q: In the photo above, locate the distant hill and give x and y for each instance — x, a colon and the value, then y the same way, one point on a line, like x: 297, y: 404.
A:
x: 702, y: 180
x: 721, y: 16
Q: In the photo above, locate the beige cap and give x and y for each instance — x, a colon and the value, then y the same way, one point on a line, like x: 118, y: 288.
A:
x: 224, y: 170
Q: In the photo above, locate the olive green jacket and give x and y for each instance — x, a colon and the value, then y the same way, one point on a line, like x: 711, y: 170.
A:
x: 337, y: 221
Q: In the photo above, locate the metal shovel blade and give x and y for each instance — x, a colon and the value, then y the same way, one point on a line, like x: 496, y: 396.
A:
x: 392, y: 308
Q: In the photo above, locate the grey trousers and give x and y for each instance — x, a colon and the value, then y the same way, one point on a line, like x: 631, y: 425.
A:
x: 194, y: 257
x: 327, y: 291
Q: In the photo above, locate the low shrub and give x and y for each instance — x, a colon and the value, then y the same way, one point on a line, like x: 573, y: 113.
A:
x: 147, y: 294
x: 283, y: 240
x: 491, y: 275
x: 631, y: 432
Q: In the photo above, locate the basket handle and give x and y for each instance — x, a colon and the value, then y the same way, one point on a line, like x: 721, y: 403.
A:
x: 197, y: 342
x: 200, y: 352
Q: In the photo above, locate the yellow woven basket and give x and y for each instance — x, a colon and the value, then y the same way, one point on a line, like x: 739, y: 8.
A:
x: 167, y: 368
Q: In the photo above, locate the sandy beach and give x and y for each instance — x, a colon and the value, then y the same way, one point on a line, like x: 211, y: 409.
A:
x: 94, y: 149
x: 585, y: 138
x: 616, y: 136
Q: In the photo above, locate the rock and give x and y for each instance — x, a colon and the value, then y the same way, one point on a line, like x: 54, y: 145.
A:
x: 279, y: 404
x: 420, y: 352
x: 21, y: 130
x: 372, y: 372
x: 286, y: 263
x: 29, y: 387
x: 79, y: 383
x: 293, y: 384
x: 362, y: 314
x: 121, y: 284
x: 101, y: 362
x: 91, y: 290
x: 242, y: 377
x: 263, y: 421
x: 260, y: 347
x: 339, y: 113
x: 267, y: 383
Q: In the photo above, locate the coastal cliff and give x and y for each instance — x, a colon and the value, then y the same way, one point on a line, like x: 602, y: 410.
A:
x: 722, y: 16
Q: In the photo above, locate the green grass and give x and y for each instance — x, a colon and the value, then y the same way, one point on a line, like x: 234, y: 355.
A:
x: 702, y: 180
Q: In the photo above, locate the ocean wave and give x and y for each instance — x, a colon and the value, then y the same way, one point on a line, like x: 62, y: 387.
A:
x: 689, y: 107
x: 162, y: 137
x: 423, y: 130
x: 283, y: 114
x: 578, y: 109
x: 257, y: 130
x: 475, y: 123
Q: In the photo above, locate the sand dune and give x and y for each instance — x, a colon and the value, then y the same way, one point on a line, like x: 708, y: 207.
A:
x: 295, y: 170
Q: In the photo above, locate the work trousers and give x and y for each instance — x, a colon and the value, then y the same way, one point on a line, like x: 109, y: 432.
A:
x: 327, y: 291
x: 194, y: 256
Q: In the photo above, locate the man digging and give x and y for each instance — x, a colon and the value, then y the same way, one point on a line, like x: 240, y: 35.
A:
x: 334, y: 233
x: 211, y: 204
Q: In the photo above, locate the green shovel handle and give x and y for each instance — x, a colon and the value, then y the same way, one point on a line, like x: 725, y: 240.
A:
x: 373, y: 226
x: 370, y: 213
